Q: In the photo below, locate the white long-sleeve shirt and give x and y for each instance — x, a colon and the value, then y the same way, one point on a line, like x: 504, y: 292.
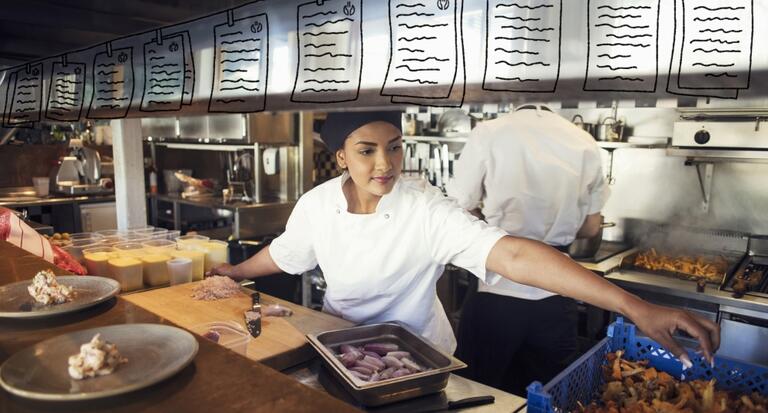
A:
x: 536, y: 176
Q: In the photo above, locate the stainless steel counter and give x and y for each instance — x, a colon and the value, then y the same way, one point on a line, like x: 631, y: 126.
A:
x: 27, y: 201
x: 313, y: 375
x: 250, y: 220
x: 658, y: 284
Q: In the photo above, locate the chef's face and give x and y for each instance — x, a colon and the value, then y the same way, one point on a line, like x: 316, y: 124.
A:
x: 373, y: 156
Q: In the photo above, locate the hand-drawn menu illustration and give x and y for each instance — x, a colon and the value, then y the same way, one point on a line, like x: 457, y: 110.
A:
x: 164, y: 77
x: 424, y: 56
x: 65, y: 93
x: 716, y: 44
x: 113, y: 79
x: 623, y: 45
x: 523, y: 41
x: 24, y: 96
x: 330, y: 60
x: 241, y: 65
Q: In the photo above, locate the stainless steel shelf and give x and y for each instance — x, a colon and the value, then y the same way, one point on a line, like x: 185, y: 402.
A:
x: 205, y: 146
x: 720, y: 155
x: 440, y: 139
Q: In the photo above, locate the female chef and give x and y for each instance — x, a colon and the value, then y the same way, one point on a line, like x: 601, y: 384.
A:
x: 382, y: 241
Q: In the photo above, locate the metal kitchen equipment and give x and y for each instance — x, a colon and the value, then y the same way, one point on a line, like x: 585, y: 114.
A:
x: 610, y: 130
x: 751, y: 275
x: 80, y: 171
x: 386, y: 391
x: 587, y: 127
x: 587, y: 247
x: 692, y: 242
x: 714, y: 133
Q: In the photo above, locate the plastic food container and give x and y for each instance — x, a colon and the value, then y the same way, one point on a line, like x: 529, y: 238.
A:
x: 161, y: 246
x: 170, y: 235
x: 76, y: 248
x: 391, y: 390
x: 130, y: 249
x: 198, y: 261
x: 85, y: 235
x: 128, y: 272
x: 217, y: 252
x: 97, y: 260
x: 226, y: 333
x: 179, y: 270
x: 149, y: 232
x: 111, y: 232
x: 155, y: 269
x: 189, y: 241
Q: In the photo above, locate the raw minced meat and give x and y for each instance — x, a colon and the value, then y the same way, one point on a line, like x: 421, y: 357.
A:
x: 216, y: 288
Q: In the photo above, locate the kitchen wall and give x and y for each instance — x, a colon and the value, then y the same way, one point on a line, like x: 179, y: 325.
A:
x: 19, y: 163
x: 649, y: 185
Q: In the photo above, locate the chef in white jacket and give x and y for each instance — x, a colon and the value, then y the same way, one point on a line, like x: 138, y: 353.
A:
x: 382, y: 242
x: 538, y: 176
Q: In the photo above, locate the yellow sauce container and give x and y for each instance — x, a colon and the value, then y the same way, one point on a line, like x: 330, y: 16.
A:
x: 128, y: 272
x: 155, y: 269
x: 198, y: 261
x: 217, y: 252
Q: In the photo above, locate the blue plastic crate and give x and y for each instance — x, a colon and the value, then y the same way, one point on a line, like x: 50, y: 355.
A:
x: 582, y: 379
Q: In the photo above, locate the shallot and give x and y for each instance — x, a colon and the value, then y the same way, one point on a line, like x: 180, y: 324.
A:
x: 374, y: 362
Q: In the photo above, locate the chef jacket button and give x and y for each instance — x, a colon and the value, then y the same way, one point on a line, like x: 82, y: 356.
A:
x: 386, y: 216
x: 338, y: 211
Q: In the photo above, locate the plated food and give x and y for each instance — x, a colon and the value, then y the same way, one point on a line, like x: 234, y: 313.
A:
x: 635, y: 387
x: 154, y: 353
x: 96, y: 358
x: 47, y: 295
x: 46, y: 290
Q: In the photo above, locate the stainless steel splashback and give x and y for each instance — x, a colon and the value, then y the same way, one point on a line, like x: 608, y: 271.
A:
x: 570, y: 50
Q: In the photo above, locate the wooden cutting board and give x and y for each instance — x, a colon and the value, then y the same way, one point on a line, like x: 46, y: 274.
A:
x: 282, y: 342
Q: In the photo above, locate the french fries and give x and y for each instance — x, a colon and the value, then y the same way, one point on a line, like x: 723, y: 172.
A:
x: 709, y: 268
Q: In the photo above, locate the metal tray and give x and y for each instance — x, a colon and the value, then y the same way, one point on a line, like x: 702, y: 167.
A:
x: 392, y: 390
x: 628, y: 263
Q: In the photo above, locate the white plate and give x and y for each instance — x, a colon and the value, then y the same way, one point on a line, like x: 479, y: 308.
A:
x: 15, y: 301
x: 154, y: 352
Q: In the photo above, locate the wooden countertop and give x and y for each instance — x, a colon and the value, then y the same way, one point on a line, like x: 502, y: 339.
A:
x: 282, y: 342
x: 217, y: 380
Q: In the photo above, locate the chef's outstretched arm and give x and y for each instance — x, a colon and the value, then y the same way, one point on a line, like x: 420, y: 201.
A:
x: 259, y: 265
x: 539, y: 265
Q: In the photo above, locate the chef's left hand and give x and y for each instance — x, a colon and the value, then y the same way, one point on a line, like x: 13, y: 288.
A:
x: 659, y: 323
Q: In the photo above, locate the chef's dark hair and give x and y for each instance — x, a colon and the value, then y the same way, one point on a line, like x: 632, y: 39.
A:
x: 339, y: 125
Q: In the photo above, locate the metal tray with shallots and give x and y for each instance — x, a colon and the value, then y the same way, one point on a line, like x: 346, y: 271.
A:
x: 728, y: 264
x: 391, y: 390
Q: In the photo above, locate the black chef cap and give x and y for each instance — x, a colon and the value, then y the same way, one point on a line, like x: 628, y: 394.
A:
x: 339, y: 125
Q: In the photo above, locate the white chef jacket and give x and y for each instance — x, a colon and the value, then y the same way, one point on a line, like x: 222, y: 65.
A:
x: 536, y: 175
x: 384, y: 266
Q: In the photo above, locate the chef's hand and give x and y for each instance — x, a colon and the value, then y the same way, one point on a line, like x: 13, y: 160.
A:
x: 222, y: 269
x: 659, y: 323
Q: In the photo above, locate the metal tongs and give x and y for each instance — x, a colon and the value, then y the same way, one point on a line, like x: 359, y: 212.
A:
x: 253, y: 316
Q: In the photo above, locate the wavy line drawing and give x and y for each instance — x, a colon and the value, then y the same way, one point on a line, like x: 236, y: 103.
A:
x: 525, y: 7
x: 614, y: 33
x: 66, y: 98
x: 113, y: 105
x: 536, y: 55
x: 333, y: 31
x: 698, y: 60
x: 174, y: 51
x: 241, y: 64
x: 426, y: 54
x: 24, y: 96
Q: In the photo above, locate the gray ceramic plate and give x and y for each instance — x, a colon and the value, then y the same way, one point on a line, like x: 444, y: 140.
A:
x: 154, y: 352
x: 15, y: 301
